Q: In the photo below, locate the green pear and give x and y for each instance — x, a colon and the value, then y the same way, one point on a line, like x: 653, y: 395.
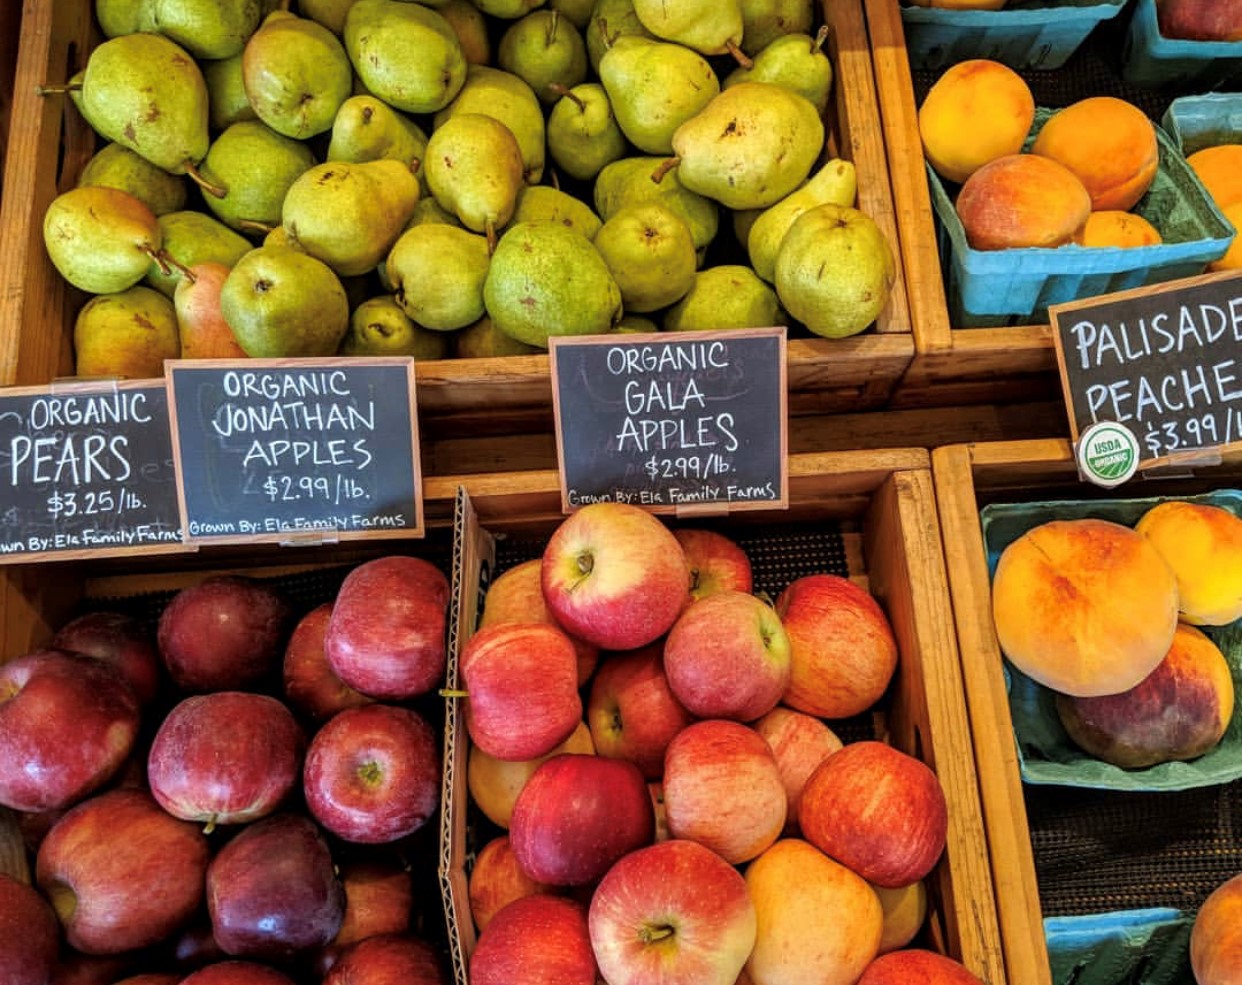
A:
x: 654, y: 88
x: 126, y: 335
x: 207, y: 28
x: 483, y: 340
x: 281, y: 303
x: 437, y: 274
x: 349, y: 215
x: 539, y: 203
x: 507, y: 10
x: 795, y: 61
x: 429, y: 210
x: 368, y: 129
x: 279, y: 236
x: 763, y: 21
x: 255, y: 166
x: 119, y: 167
x: 582, y: 133
x: 505, y: 97
x: 470, y: 26
x: 628, y: 182
x: 835, y: 270
x: 296, y: 75
x: 577, y: 12
x: 474, y: 169
x: 610, y: 20
x: 547, y: 280
x: 226, y: 93
x: 650, y: 252
x: 405, y: 53
x: 750, y: 147
x: 378, y: 327
x: 743, y: 221
x: 635, y: 325
x: 117, y: 17
x: 330, y: 13
x: 543, y: 49
x: 146, y: 93
x: 191, y: 238
x: 728, y: 296
x: 203, y: 332
x: 710, y: 27
x: 100, y: 239
x: 835, y: 182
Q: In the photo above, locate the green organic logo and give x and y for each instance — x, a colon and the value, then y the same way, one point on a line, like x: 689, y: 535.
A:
x: 1108, y: 454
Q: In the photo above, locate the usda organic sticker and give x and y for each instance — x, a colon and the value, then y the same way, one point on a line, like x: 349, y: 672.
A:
x: 1108, y: 454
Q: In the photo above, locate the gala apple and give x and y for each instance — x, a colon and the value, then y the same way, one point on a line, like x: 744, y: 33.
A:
x: 716, y: 563
x: 799, y: 743
x: 495, y: 783
x: 915, y: 965
x: 497, y: 880
x: 536, y: 940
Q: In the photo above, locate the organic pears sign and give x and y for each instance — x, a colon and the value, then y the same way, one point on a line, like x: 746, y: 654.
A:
x: 87, y: 469
x: 296, y: 450
x: 672, y: 422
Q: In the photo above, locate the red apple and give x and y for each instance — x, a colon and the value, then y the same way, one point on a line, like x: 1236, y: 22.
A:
x: 117, y: 639
x: 1201, y: 20
x: 372, y: 774
x: 1216, y: 935
x: 728, y: 657
x: 196, y: 299
x: 152, y: 978
x: 517, y: 596
x: 195, y: 946
x: 388, y: 960
x: 722, y: 788
x: 272, y: 891
x: 121, y: 873
x: 310, y: 685
x: 614, y: 575
x: 877, y: 810
x: 672, y: 914
x: 237, y: 973
x: 522, y: 679
x: 536, y: 940
x: 716, y: 563
x: 577, y: 815
x: 632, y: 711
x: 495, y: 783
x: 225, y: 633
x: 799, y: 743
x: 904, y: 967
x: 497, y: 880
x: 67, y: 722
x: 386, y: 633
x: 378, y: 897
x: 842, y: 651
x: 30, y: 934
x: 76, y: 968
x: 225, y: 758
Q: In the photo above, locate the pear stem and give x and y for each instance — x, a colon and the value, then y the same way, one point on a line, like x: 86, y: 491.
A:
x: 158, y: 257
x: 216, y: 191
x: 54, y: 90
x: 490, y: 230
x: 556, y: 179
x: 607, y: 38
x: 821, y: 36
x: 664, y: 168
x: 177, y: 265
x: 415, y: 164
x: 564, y: 93
x: 552, y: 26
x: 253, y: 226
x: 739, y: 55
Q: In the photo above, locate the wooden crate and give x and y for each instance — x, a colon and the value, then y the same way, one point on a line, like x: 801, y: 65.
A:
x: 51, y: 143
x: 951, y: 365
x: 966, y: 478
x: 883, y: 502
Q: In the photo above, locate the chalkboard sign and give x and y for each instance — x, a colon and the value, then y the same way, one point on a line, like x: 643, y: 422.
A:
x: 673, y: 422
x: 1164, y: 361
x: 283, y: 450
x: 87, y: 470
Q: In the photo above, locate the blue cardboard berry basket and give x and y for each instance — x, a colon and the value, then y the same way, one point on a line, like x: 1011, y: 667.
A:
x: 1150, y: 946
x: 1196, y: 122
x: 1150, y: 59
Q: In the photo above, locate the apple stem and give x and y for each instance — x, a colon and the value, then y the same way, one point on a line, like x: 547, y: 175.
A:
x: 452, y: 692
x: 564, y: 93
x: 664, y: 168
x: 766, y: 599
x: 210, y: 826
x: 820, y: 37
x: 586, y: 563
x: 738, y: 54
x: 651, y: 935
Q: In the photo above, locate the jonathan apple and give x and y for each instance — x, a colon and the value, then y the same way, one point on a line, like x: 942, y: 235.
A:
x: 495, y: 783
x: 30, y: 934
x: 388, y: 960
x: 497, y: 880
x: 117, y: 639
x: 799, y: 743
x: 915, y: 965
x: 536, y: 940
x: 378, y: 897
x: 237, y: 973
x: 614, y: 576
x: 373, y: 774
x: 672, y: 914
x: 310, y: 685
x: 716, y: 563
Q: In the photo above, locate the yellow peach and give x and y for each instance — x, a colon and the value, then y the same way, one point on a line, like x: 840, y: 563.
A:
x: 1022, y: 200
x: 1220, y: 170
x: 1232, y: 260
x: 1112, y: 227
x: 1203, y: 546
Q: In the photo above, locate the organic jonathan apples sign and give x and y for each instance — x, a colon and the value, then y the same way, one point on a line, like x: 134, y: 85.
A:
x: 672, y: 424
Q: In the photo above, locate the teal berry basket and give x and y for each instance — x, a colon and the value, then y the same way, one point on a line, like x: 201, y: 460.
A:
x: 1149, y: 946
x: 1150, y: 59
x: 1196, y: 122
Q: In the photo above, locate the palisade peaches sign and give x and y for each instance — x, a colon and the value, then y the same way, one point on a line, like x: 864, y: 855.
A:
x: 672, y: 422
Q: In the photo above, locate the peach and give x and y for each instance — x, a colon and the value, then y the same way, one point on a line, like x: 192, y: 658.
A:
x: 1109, y: 144
x: 1179, y: 711
x: 1022, y: 200
x: 1200, y: 20
x: 977, y: 111
x: 1219, y: 168
x: 1112, y: 227
x: 1084, y: 607
x: 1232, y: 260
x: 1203, y: 546
x: 1216, y: 937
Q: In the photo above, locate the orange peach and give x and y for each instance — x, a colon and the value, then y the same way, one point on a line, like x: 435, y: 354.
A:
x: 1220, y: 170
x: 1109, y: 144
x: 1022, y: 200
x: 1232, y: 260
x: 977, y: 111
x: 1178, y: 712
x: 1216, y: 937
x: 1112, y: 227
x: 1203, y: 546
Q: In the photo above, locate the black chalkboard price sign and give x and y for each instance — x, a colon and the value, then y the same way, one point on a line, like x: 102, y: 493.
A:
x: 1164, y: 361
x: 292, y: 450
x: 86, y: 468
x: 672, y: 422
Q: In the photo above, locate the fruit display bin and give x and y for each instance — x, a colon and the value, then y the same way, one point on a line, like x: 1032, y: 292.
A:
x: 1195, y: 122
x: 1104, y: 881
x: 503, y: 396
x: 870, y: 515
x: 1151, y: 59
x: 1024, y: 34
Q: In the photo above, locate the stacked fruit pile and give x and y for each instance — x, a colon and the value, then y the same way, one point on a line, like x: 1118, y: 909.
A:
x: 189, y: 827
x: 704, y: 749
x: 368, y: 181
